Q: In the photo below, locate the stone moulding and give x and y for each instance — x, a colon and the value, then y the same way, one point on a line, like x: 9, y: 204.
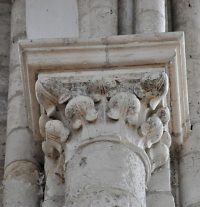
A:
x: 133, y: 53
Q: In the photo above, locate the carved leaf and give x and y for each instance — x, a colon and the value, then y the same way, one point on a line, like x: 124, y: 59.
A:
x: 164, y: 115
x: 155, y: 88
x: 78, y: 108
x: 56, y: 131
x: 56, y: 134
x: 166, y: 139
x: 47, y: 100
x: 152, y: 130
x: 42, y: 122
x: 77, y: 124
x: 50, y: 150
x: 124, y: 105
x: 158, y: 154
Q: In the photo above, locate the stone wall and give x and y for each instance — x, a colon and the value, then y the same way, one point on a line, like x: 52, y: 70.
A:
x: 5, y: 7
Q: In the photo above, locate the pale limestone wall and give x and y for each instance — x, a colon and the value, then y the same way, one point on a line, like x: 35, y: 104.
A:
x: 186, y: 16
x: 5, y: 7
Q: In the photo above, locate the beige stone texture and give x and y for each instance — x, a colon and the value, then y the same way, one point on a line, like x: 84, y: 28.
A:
x: 97, y: 18
x: 150, y: 16
x: 5, y: 8
x: 51, y: 19
x: 186, y: 18
x: 126, y: 14
x: 20, y: 148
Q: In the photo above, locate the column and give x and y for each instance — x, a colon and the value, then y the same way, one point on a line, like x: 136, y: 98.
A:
x: 150, y: 16
x: 111, y: 140
x: 105, y: 173
x: 185, y: 18
x: 21, y: 169
x: 126, y: 17
x: 97, y: 18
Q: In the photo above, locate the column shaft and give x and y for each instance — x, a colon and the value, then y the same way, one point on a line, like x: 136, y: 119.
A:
x: 21, y: 170
x: 105, y: 174
x: 150, y: 16
x: 126, y: 17
x: 97, y: 18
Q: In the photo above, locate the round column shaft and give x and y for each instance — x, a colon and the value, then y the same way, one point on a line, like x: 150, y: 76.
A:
x: 21, y: 176
x: 126, y: 17
x: 105, y: 174
x: 150, y: 16
x: 97, y: 18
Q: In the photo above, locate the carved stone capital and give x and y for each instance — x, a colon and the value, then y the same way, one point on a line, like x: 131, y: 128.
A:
x: 128, y: 106
x: 111, y: 105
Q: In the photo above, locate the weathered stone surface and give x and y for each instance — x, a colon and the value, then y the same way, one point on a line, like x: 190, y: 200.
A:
x: 18, y: 21
x: 154, y: 199
x: 15, y: 143
x: 157, y: 183
x: 150, y: 17
x: 21, y: 173
x: 4, y: 80
x: 3, y: 107
x: 2, y: 140
x: 97, y: 18
x: 21, y: 182
x: 186, y: 18
x: 16, y: 88
x: 110, y: 174
x: 126, y: 16
x: 79, y: 111
x: 51, y: 19
x: 16, y: 105
x: 189, y: 168
x: 104, y: 111
x: 5, y: 8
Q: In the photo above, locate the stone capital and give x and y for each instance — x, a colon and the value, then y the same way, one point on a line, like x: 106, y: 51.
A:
x: 125, y: 106
x: 92, y: 101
